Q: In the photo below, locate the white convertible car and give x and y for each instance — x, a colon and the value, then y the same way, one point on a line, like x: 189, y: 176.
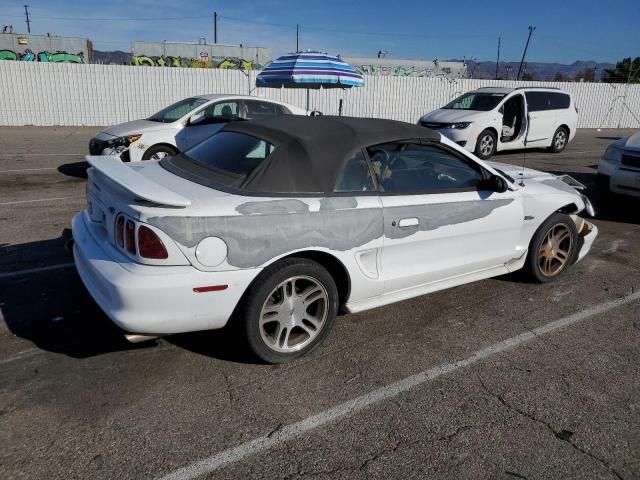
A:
x: 183, y: 124
x: 279, y: 223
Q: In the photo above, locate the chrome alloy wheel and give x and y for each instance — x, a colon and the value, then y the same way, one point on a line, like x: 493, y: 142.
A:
x: 555, y: 250
x: 486, y: 145
x: 294, y: 314
x: 560, y: 140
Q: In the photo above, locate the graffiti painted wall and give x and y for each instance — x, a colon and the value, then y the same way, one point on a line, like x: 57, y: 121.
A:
x: 199, y: 55
x: 203, y: 61
x: 54, y: 57
x: 392, y: 67
x: 44, y: 48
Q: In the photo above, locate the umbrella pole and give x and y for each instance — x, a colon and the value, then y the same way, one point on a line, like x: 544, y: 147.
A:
x: 307, y: 100
x: 340, y: 108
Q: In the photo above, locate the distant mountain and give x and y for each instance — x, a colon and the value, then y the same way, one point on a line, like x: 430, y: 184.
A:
x: 539, y: 70
x: 116, y: 57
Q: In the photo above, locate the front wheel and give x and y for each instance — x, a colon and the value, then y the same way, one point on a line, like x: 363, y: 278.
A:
x: 158, y: 152
x: 289, y: 310
x: 560, y: 140
x: 486, y: 144
x: 553, y: 248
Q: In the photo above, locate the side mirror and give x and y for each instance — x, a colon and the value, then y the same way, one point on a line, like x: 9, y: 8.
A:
x: 315, y: 113
x: 494, y: 184
x: 195, y: 119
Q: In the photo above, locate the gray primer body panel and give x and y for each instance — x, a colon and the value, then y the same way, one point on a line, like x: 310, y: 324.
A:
x: 270, y: 228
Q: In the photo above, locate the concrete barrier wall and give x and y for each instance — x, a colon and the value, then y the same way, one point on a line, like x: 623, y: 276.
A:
x: 75, y: 95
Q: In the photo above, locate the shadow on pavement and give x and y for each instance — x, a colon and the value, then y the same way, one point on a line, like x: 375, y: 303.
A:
x: 53, y: 310
x: 75, y: 169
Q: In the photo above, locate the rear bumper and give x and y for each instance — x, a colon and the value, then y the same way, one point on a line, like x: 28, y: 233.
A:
x: 154, y: 299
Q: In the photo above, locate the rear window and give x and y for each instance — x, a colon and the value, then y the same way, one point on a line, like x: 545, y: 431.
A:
x: 226, y: 158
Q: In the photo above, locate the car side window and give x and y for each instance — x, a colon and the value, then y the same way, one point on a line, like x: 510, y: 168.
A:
x: 560, y: 101
x: 223, y: 109
x: 255, y: 109
x: 355, y: 176
x: 538, y: 101
x: 415, y: 168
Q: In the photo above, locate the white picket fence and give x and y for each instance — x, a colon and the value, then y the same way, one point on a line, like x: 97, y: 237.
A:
x: 75, y: 95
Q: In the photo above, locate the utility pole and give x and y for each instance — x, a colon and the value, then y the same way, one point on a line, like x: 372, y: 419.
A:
x: 498, y: 59
x: 215, y: 27
x: 531, y: 29
x: 297, y: 37
x: 26, y: 13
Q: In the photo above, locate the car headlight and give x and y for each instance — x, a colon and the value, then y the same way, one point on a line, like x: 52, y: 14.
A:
x: 613, y: 154
x: 459, y: 125
x: 123, y: 141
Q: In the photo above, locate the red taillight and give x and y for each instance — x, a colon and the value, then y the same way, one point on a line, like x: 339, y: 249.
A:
x: 130, y: 237
x: 149, y: 245
x: 120, y: 231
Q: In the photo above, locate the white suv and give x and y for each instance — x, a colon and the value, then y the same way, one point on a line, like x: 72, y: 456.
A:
x: 491, y: 119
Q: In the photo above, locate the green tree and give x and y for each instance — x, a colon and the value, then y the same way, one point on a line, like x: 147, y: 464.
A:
x: 625, y: 71
x: 586, y: 75
x: 559, y: 77
x: 528, y: 77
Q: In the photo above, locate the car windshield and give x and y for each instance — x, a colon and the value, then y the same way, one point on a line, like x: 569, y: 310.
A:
x: 482, y: 102
x: 224, y: 159
x: 177, y: 110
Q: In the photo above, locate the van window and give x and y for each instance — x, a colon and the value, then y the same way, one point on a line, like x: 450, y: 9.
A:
x: 538, y: 101
x: 560, y: 100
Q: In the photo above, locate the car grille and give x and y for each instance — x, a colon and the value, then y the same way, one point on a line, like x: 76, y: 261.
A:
x: 630, y: 160
x: 96, y: 146
x: 433, y: 125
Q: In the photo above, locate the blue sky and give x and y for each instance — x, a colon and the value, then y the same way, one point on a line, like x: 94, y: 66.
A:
x: 567, y: 30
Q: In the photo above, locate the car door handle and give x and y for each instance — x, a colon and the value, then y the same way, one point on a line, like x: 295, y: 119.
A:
x: 408, y: 222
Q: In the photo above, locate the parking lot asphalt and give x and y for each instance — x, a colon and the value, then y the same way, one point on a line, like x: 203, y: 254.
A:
x: 496, y: 379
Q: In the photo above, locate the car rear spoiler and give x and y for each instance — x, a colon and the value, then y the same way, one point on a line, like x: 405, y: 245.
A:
x: 132, y: 181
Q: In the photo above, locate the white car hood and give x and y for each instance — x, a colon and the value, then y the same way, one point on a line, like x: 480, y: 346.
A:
x: 518, y: 172
x: 135, y: 126
x: 451, y: 115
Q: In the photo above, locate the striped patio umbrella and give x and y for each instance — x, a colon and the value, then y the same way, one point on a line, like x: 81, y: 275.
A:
x: 309, y: 70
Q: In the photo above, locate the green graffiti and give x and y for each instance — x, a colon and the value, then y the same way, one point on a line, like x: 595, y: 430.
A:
x: 61, y: 57
x: 8, y: 55
x: 202, y: 62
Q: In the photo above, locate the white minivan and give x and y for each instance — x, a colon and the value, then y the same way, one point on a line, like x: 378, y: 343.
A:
x: 492, y: 119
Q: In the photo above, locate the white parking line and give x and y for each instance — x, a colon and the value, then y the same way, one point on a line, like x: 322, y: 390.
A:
x: 41, y: 200
x: 27, y: 170
x: 29, y: 271
x: 350, y: 407
x: 42, y: 154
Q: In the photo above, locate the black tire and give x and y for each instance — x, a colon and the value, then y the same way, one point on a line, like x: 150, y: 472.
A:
x: 159, y: 149
x: 261, y: 291
x: 560, y: 140
x: 486, y: 144
x: 533, y: 268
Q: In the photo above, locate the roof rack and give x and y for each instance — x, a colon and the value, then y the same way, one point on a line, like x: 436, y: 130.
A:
x: 545, y: 88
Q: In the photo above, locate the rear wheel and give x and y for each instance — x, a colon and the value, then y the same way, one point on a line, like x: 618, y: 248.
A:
x: 553, y: 248
x: 560, y: 140
x: 158, y: 152
x: 289, y: 310
x: 486, y: 144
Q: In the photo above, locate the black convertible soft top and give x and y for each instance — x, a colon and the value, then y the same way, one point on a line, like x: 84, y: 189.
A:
x: 310, y: 151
